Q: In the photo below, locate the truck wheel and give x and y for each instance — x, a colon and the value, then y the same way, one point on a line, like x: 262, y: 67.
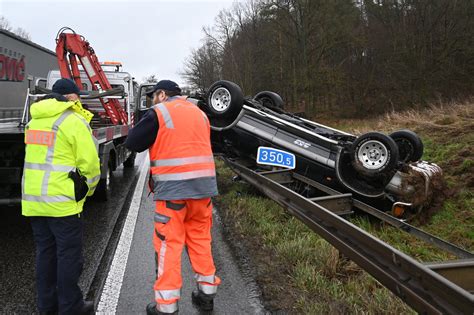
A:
x: 101, y: 189
x: 269, y: 99
x: 374, y: 154
x: 224, y: 99
x: 410, y: 146
x: 130, y: 161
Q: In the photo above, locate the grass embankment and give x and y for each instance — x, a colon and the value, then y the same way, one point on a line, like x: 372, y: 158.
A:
x: 299, y: 272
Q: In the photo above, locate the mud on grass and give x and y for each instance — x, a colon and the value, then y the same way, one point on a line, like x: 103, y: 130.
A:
x: 297, y: 271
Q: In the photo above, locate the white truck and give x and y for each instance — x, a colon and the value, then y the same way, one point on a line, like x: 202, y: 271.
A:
x: 110, y: 134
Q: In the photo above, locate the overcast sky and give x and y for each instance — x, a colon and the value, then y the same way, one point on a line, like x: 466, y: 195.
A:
x: 148, y: 37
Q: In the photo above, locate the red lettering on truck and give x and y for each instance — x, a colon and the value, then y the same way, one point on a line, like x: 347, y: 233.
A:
x: 12, y: 69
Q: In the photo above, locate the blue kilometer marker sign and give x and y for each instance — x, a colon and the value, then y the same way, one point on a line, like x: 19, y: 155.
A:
x: 271, y: 156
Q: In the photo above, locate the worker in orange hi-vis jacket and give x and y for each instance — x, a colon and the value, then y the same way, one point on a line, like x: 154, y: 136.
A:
x: 183, y: 180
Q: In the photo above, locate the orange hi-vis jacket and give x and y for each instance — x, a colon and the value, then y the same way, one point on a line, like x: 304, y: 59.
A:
x: 181, y: 160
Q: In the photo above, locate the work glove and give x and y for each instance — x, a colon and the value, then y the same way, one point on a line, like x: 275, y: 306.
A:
x: 80, y: 184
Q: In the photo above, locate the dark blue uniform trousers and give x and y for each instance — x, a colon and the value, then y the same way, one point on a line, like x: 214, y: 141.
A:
x: 58, y: 263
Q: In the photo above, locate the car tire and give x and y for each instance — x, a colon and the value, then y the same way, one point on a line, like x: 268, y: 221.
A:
x: 410, y: 146
x: 374, y: 154
x: 269, y: 99
x: 224, y: 100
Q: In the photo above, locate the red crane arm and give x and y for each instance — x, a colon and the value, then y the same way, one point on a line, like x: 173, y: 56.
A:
x: 71, y: 47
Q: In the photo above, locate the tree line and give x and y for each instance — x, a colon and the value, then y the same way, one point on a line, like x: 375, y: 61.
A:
x: 341, y: 56
x: 5, y: 25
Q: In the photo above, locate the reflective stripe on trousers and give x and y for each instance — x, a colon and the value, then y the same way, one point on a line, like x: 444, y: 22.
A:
x: 170, y: 234
x: 208, y: 279
x: 207, y: 284
x: 161, y: 259
x: 167, y: 294
x: 207, y: 288
x: 167, y: 308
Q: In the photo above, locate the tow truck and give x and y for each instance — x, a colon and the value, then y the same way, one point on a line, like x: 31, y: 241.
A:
x: 111, y: 98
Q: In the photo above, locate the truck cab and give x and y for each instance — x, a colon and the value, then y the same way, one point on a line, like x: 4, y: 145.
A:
x: 110, y: 137
x: 118, y: 79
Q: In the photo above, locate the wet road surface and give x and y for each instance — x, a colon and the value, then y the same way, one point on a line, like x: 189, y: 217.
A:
x: 237, y: 294
x: 17, y: 284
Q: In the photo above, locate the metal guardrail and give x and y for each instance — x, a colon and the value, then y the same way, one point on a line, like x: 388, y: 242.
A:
x: 438, y: 288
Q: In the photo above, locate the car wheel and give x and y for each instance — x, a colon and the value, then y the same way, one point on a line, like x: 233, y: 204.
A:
x: 410, y: 146
x: 224, y: 99
x: 374, y: 154
x: 269, y: 99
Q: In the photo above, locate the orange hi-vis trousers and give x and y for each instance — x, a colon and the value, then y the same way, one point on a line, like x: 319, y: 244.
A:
x: 180, y: 222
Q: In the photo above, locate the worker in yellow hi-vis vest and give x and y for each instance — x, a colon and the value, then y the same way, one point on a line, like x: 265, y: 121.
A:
x: 61, y: 169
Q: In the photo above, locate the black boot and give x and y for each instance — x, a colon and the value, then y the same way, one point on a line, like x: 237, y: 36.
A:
x: 205, y: 302
x: 87, y: 308
x: 151, y: 310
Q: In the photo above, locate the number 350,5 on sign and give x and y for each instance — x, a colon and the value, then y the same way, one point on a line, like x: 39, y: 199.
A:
x: 271, y: 156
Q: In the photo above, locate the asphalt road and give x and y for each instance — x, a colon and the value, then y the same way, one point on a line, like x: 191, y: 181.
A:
x: 236, y: 294
x: 17, y: 284
x: 103, y: 223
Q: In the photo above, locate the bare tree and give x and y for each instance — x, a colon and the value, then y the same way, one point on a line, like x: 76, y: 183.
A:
x: 342, y: 56
x: 150, y: 79
x: 203, y: 67
x: 22, y: 33
x: 5, y: 25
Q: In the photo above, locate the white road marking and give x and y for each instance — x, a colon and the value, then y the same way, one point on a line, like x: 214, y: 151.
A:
x: 113, y: 284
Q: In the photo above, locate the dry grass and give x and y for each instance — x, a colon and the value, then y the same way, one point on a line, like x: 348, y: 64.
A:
x: 437, y: 117
x: 447, y: 131
x: 300, y: 273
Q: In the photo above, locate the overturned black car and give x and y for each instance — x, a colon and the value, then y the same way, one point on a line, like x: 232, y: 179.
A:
x: 383, y: 170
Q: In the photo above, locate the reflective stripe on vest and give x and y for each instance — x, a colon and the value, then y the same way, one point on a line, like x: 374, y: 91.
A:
x: 93, y: 180
x: 183, y: 175
x: 48, y: 167
x: 50, y: 152
x: 181, y: 159
x: 166, y: 115
x: 47, y: 198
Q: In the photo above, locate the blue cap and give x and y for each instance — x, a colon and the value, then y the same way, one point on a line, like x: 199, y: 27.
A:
x: 66, y: 86
x: 166, y: 85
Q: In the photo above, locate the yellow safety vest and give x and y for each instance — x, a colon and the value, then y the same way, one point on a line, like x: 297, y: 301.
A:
x: 58, y: 140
